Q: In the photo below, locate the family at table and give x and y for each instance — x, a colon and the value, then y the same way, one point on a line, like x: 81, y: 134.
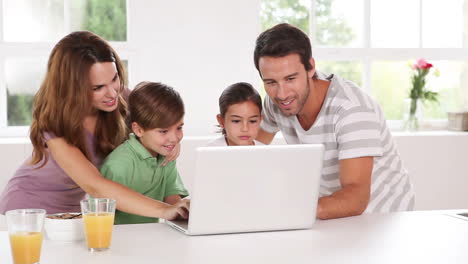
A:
x: 92, y: 135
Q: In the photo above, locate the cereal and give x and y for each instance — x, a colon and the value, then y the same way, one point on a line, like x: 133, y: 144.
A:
x: 65, y: 216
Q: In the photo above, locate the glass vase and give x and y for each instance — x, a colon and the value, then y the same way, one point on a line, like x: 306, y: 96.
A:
x: 412, y: 114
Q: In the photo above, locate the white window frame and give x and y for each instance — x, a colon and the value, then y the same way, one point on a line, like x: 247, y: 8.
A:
x: 366, y: 55
x: 28, y: 49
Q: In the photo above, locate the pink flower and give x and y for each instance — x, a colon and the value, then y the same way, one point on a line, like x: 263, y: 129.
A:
x: 421, y: 64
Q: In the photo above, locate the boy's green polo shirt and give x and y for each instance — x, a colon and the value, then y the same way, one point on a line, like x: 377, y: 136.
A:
x: 132, y: 165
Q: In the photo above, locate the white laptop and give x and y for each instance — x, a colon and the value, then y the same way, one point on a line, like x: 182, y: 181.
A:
x: 253, y: 188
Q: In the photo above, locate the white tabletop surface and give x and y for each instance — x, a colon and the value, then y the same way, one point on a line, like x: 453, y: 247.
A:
x: 412, y: 237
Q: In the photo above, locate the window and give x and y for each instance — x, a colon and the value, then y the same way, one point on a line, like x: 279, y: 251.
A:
x: 28, y: 31
x: 373, y: 42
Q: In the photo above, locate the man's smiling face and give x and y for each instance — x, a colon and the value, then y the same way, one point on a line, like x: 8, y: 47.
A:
x: 286, y: 82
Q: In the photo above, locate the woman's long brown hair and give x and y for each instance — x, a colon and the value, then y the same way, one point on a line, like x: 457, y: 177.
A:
x: 65, y: 97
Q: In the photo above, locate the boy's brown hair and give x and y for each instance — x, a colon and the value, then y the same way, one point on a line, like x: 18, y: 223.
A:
x: 155, y: 105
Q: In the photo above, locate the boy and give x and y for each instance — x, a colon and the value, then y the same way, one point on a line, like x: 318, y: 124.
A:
x: 156, y: 116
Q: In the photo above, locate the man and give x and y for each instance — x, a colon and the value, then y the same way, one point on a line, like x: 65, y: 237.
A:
x: 362, y: 170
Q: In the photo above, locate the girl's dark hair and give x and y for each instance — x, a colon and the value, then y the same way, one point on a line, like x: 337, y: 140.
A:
x: 238, y: 93
x: 155, y: 105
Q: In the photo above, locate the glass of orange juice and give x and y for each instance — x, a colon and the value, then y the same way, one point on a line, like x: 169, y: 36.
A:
x: 98, y: 217
x: 25, y: 231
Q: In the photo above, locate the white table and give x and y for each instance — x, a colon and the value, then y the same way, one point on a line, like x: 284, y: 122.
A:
x: 411, y: 237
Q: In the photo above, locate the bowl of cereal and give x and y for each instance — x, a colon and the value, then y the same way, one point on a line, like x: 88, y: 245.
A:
x: 64, y: 227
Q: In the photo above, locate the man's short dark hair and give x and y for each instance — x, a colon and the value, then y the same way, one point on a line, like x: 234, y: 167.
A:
x: 282, y: 40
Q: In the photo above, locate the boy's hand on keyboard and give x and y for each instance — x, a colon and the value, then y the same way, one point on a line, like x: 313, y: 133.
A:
x: 179, y: 210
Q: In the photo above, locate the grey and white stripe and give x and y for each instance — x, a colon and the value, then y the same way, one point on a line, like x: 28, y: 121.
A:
x: 350, y: 125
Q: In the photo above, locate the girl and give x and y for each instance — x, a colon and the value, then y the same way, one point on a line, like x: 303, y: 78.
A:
x: 78, y: 118
x: 240, y: 108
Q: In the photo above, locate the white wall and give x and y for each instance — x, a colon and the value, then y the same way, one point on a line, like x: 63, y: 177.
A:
x: 436, y: 161
x: 438, y: 166
x: 198, y: 47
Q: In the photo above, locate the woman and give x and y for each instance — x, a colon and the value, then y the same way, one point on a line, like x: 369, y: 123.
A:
x: 78, y: 118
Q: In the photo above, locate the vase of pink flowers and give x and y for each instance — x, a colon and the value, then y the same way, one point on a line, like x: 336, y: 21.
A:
x: 418, y: 95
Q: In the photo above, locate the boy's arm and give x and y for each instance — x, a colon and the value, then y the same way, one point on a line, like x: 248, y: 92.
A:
x: 174, y: 184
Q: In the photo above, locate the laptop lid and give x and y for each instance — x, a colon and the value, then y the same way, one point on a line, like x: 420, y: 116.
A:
x: 254, y: 188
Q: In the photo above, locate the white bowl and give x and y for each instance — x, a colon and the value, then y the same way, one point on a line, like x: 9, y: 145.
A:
x: 64, y: 229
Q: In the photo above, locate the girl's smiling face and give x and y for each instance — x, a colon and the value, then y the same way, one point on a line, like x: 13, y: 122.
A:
x: 241, y: 123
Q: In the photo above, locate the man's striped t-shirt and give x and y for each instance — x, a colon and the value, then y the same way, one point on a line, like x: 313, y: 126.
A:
x: 350, y: 125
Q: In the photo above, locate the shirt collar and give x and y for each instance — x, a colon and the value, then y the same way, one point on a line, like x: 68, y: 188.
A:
x: 140, y: 150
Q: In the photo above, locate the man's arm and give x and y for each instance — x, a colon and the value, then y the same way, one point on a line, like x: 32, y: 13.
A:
x: 265, y: 137
x: 353, y: 197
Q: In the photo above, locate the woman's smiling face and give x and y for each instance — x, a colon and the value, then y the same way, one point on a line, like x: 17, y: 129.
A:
x: 105, y: 86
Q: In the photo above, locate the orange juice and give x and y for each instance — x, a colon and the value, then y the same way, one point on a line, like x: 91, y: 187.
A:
x: 98, y: 229
x: 26, y: 247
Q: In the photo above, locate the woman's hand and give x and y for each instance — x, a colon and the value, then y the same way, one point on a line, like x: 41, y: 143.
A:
x: 180, y: 209
x: 173, y: 156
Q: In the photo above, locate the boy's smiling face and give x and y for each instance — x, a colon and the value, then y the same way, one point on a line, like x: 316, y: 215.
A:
x: 160, y: 140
